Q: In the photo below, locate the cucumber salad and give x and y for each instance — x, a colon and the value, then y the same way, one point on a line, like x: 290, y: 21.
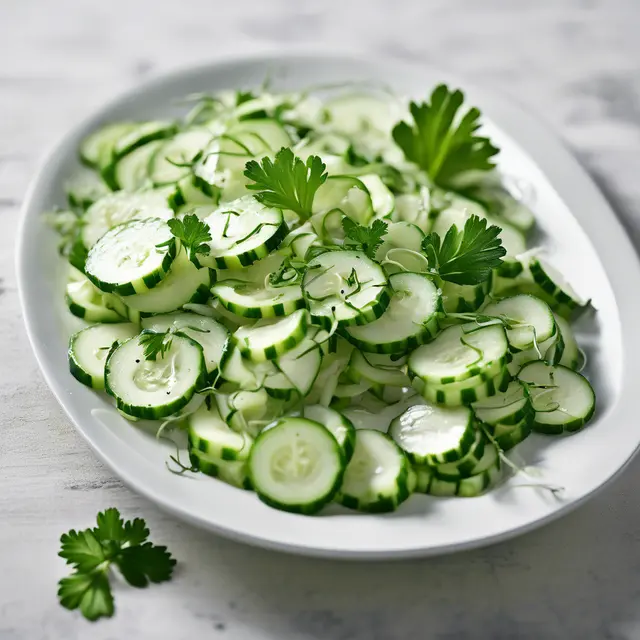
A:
x: 273, y: 268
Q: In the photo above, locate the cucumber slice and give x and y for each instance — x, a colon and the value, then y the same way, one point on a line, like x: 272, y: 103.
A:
x: 269, y: 341
x: 128, y: 260
x: 469, y: 487
x: 233, y: 472
x: 359, y: 114
x: 89, y: 348
x: 183, y: 283
x: 236, y: 370
x: 157, y: 388
x: 192, y: 190
x: 129, y: 142
x: 172, y: 161
x: 249, y: 411
x: 571, y: 353
x: 554, y: 288
x: 466, y: 466
x: 506, y: 408
x: 411, y: 319
x: 382, y: 199
x: 243, y: 231
x: 424, y: 475
x: 563, y: 400
x: 209, y: 433
x: 362, y: 369
x: 401, y: 239
x: 300, y: 365
x: 377, y: 478
x: 340, y: 427
x: 209, y: 334
x: 97, y: 147
x: 89, y: 303
x: 116, y: 208
x: 466, y: 392
x: 296, y: 466
x: 257, y: 301
x: 531, y: 320
x: 347, y: 194
x: 460, y: 352
x: 345, y: 286
x: 85, y: 188
x: 432, y: 434
x: 457, y: 298
x: 132, y: 172
x: 508, y: 436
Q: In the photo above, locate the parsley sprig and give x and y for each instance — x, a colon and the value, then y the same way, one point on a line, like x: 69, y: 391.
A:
x: 286, y: 182
x: 193, y: 234
x: 94, y: 552
x: 467, y: 256
x: 442, y: 143
x: 154, y: 344
x: 366, y: 239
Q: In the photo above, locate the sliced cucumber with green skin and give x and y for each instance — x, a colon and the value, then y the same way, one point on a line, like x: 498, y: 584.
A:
x: 401, y: 239
x: 96, y: 148
x: 116, y: 208
x: 233, y: 472
x: 469, y: 487
x: 563, y: 400
x: 85, y: 188
x: 89, y: 303
x: 382, y: 199
x: 128, y: 260
x: 458, y: 393
x: 172, y: 160
x: 505, y: 408
x: 460, y: 352
x: 249, y: 411
x: 430, y: 434
x: 550, y: 351
x: 556, y: 290
x: 571, y: 352
x: 337, y: 424
x: 89, y: 349
x: 238, y: 371
x: 209, y: 334
x: 424, y: 475
x: 411, y: 319
x: 457, y: 298
x: 154, y: 389
x: 345, y: 286
x: 346, y: 193
x: 132, y: 171
x: 269, y: 341
x: 183, y: 283
x: 209, y: 433
x: 251, y: 300
x: 301, y: 365
x: 140, y: 135
x: 243, y: 232
x: 296, y: 465
x: 529, y: 320
x: 378, y: 476
x: 362, y: 369
x: 508, y: 436
x: 192, y: 190
x: 514, y: 242
x: 464, y: 467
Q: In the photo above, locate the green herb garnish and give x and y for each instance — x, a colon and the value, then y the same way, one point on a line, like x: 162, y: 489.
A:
x: 286, y: 182
x: 365, y: 239
x: 94, y: 552
x: 445, y: 146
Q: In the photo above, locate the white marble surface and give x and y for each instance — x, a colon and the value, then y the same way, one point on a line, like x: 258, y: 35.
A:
x: 575, y: 62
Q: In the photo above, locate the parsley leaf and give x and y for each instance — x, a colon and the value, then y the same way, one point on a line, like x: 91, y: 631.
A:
x: 467, y: 256
x: 93, y: 552
x: 441, y: 144
x: 286, y: 182
x: 193, y: 234
x: 89, y: 592
x: 154, y: 344
x: 366, y: 239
